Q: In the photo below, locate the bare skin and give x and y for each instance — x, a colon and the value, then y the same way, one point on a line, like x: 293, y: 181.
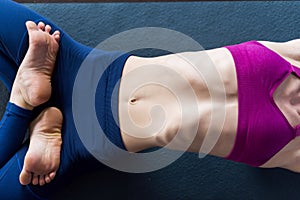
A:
x: 32, y: 87
x: 43, y: 156
x: 153, y: 94
x: 138, y: 103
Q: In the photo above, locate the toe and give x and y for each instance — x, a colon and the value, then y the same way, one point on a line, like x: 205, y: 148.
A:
x: 31, y: 26
x: 47, y: 179
x: 56, y: 36
x: 48, y: 28
x: 42, y: 180
x: 41, y: 25
x: 25, y: 177
x: 56, y: 33
x: 35, y: 179
x: 52, y: 175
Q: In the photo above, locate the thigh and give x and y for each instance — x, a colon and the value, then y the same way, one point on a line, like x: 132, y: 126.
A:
x: 12, y: 25
x: 13, y: 34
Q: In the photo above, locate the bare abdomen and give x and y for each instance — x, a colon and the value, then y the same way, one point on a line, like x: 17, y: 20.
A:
x: 169, y: 97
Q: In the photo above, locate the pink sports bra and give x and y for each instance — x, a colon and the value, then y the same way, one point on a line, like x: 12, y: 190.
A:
x: 262, y: 129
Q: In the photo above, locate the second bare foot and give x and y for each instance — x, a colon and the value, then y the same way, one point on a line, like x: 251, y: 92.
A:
x: 43, y: 156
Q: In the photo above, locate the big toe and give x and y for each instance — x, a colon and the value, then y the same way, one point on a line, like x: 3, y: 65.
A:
x: 31, y: 26
x: 25, y: 177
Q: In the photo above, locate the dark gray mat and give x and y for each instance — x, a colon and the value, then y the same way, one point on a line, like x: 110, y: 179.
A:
x: 3, y: 98
x: 212, y: 24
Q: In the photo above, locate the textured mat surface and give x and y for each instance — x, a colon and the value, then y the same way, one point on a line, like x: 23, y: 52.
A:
x: 212, y: 24
x: 4, y: 96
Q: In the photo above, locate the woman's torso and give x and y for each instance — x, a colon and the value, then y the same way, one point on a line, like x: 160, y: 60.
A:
x: 222, y: 60
x: 192, y: 67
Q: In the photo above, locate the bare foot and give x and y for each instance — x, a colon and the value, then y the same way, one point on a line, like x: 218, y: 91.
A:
x: 32, y: 85
x: 43, y: 156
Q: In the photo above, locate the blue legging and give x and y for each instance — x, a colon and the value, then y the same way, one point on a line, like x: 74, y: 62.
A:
x: 74, y: 156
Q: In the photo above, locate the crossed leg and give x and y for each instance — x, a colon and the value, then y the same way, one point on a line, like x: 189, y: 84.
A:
x: 31, y: 88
